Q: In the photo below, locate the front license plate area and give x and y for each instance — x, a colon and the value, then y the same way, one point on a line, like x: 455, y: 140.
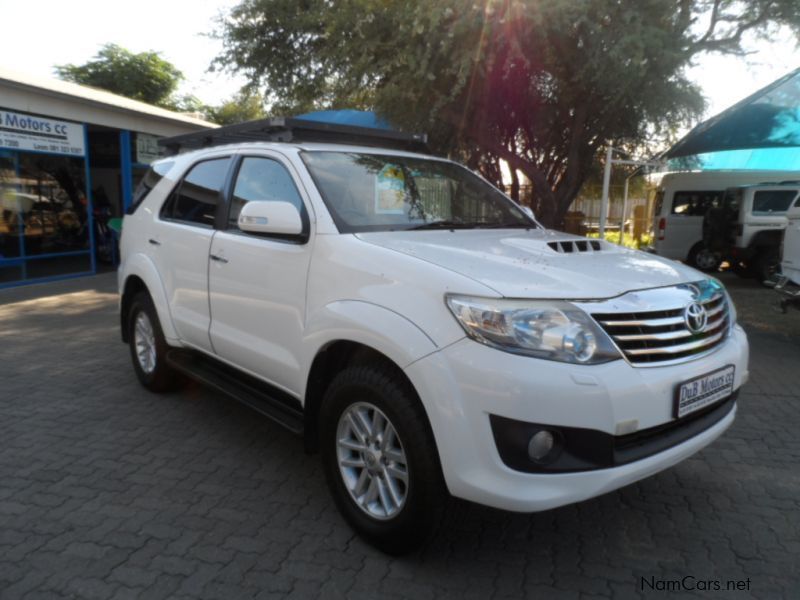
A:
x: 703, y: 391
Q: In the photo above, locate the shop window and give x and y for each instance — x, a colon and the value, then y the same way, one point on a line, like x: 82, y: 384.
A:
x: 44, y: 213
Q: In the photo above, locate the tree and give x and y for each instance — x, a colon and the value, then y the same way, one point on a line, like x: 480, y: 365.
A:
x: 145, y: 76
x: 540, y: 84
x: 244, y: 106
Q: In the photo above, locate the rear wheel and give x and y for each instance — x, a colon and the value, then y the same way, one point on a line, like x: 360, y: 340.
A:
x: 703, y: 259
x: 148, y: 347
x: 380, y: 458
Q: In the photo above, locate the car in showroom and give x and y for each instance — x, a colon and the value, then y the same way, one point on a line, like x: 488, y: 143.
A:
x: 420, y: 330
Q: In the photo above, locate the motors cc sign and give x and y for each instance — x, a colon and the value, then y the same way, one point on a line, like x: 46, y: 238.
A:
x: 19, y: 131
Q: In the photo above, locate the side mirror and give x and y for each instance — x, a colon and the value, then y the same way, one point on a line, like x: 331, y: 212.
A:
x: 270, y: 217
x: 527, y: 210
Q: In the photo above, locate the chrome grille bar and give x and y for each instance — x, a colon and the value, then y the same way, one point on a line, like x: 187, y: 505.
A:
x: 653, y: 336
x: 709, y: 341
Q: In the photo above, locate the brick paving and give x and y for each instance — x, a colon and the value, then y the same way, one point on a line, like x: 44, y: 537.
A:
x: 108, y: 491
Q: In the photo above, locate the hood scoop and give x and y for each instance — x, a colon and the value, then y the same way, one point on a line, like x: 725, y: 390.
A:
x: 571, y: 246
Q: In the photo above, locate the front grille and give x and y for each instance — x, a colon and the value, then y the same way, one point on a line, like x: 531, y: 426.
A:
x: 663, y: 335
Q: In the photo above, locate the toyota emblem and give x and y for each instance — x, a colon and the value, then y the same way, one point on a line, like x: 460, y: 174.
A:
x: 695, y: 317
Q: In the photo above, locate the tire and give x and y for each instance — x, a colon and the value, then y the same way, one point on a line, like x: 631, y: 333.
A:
x: 703, y: 259
x: 396, y: 520
x: 766, y: 264
x: 149, y: 348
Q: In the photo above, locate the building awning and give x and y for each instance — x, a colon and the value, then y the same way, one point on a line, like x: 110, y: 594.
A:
x: 763, y: 130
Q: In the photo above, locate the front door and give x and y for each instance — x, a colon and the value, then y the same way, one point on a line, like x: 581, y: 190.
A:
x: 257, y: 283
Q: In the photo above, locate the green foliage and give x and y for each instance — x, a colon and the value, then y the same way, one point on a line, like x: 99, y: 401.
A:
x: 244, y: 106
x: 145, y: 76
x: 627, y: 239
x: 541, y: 84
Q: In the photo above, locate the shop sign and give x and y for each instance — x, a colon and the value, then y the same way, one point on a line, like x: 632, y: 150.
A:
x: 25, y: 132
x: 146, y: 148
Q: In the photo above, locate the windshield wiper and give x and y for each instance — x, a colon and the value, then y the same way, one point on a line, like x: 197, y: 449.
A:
x: 515, y: 225
x: 443, y: 224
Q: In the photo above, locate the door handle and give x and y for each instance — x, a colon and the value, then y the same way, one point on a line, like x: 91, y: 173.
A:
x: 218, y: 258
x: 154, y: 242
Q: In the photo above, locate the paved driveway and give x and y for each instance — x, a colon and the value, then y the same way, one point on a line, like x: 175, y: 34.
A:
x: 109, y: 491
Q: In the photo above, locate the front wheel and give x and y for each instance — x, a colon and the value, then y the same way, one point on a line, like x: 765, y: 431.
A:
x: 380, y: 458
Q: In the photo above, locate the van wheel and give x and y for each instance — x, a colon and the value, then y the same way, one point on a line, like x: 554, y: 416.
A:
x: 767, y: 264
x: 703, y: 259
x: 380, y: 458
x: 149, y: 348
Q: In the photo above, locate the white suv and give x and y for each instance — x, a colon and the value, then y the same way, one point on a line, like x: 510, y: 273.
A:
x: 421, y: 330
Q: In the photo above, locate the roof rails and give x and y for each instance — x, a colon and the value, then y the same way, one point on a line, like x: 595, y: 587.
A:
x: 290, y: 129
x: 785, y: 182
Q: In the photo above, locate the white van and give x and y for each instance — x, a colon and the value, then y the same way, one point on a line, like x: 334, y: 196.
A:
x: 682, y: 200
x: 791, y: 245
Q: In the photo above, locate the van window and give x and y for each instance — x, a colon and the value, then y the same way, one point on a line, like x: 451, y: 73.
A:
x: 732, y: 199
x: 772, y: 201
x: 694, y: 204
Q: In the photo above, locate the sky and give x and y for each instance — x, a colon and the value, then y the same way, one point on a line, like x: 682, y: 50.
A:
x: 50, y: 32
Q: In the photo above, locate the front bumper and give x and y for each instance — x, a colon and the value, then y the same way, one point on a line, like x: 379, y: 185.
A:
x: 465, y: 383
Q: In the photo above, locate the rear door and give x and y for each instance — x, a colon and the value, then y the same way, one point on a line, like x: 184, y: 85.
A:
x: 791, y: 244
x: 180, y: 243
x: 257, y: 282
x: 684, y: 223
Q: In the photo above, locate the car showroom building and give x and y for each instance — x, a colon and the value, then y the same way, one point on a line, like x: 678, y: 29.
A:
x: 70, y: 158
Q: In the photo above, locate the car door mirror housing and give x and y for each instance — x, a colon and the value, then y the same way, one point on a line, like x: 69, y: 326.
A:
x: 280, y: 218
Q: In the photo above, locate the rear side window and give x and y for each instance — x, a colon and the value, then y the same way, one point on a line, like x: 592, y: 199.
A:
x: 659, y: 201
x: 154, y: 174
x: 262, y: 180
x: 732, y: 199
x: 694, y: 204
x: 772, y: 201
x: 195, y: 199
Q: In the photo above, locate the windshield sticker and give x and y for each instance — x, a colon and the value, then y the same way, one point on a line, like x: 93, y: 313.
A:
x: 390, y: 192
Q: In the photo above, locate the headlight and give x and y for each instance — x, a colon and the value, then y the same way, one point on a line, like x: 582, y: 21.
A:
x: 553, y: 330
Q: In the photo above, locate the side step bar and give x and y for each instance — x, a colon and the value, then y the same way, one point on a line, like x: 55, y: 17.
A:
x: 256, y: 394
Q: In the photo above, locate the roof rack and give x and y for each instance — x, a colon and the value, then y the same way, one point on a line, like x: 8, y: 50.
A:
x: 290, y: 129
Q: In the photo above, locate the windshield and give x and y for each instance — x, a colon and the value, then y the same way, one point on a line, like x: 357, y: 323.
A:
x: 374, y: 192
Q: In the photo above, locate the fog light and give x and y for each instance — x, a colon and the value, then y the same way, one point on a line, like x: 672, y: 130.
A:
x: 541, y: 445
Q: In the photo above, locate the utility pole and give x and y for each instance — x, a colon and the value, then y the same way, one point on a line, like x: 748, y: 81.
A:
x: 610, y: 161
x: 606, y: 186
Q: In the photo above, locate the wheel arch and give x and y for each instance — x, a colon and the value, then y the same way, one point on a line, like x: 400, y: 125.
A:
x: 141, y: 275
x: 331, y: 359
x: 354, y: 330
x: 766, y: 239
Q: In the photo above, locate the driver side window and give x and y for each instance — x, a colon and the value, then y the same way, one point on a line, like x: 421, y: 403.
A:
x: 262, y: 180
